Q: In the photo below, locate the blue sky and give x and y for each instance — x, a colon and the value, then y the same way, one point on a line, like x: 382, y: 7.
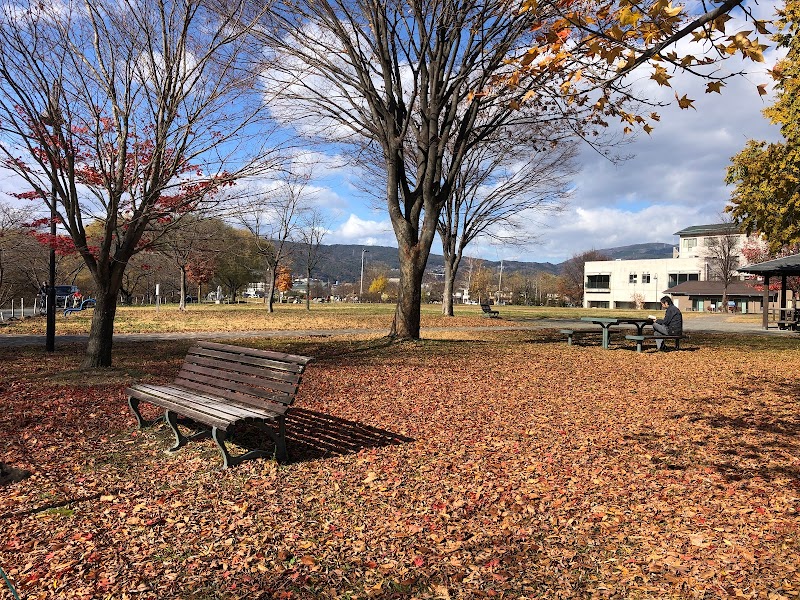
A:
x: 673, y: 179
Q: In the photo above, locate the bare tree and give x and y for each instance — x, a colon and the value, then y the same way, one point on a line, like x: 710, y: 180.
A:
x: 273, y: 216
x: 571, y: 280
x: 403, y: 80
x: 127, y: 114
x: 10, y: 234
x: 723, y: 255
x: 193, y: 236
x: 313, y: 228
x: 503, y: 184
x: 418, y: 82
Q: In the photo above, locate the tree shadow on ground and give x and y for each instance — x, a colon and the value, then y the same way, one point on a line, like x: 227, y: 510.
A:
x: 312, y: 435
x: 759, y: 442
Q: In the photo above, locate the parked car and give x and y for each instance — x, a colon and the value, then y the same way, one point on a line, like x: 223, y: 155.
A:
x: 65, y: 295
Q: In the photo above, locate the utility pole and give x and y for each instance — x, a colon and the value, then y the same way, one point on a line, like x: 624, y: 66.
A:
x: 500, y: 283
x: 361, y: 291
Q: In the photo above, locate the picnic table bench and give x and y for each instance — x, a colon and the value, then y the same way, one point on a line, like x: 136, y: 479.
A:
x: 573, y: 335
x: 489, y: 312
x: 640, y: 339
x: 220, y: 386
x: 88, y: 303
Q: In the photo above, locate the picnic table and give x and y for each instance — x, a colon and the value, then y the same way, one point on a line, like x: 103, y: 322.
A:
x: 606, y: 323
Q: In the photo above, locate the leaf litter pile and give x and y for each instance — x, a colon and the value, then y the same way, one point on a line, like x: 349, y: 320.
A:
x: 513, y: 467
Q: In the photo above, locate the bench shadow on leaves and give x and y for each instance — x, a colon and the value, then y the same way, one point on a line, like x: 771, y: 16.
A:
x: 312, y: 435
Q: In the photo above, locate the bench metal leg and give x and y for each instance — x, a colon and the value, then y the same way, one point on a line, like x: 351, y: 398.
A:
x: 639, y: 345
x: 280, y: 442
x: 181, y: 440
x: 228, y: 460
x: 140, y: 420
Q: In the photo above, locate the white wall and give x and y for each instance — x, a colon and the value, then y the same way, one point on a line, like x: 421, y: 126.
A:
x: 622, y: 290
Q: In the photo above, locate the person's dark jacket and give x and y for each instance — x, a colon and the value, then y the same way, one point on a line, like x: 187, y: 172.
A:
x: 673, y: 320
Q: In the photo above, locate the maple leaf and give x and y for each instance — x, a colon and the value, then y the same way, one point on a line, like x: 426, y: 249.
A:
x: 661, y: 76
x: 714, y: 86
x: 684, y: 102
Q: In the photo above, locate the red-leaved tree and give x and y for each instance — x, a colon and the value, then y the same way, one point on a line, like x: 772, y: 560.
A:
x: 126, y: 116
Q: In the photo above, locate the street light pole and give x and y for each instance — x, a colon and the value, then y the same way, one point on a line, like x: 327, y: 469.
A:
x: 361, y: 291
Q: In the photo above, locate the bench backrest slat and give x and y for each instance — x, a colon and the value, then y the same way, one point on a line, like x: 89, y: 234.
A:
x: 278, y: 380
x: 279, y: 357
x: 232, y: 381
x: 245, y: 359
x: 258, y: 378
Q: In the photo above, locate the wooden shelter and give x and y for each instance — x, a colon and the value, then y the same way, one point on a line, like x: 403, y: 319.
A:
x: 779, y: 267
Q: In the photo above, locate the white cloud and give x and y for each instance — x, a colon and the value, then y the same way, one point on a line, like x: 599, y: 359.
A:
x: 356, y: 230
x: 674, y: 177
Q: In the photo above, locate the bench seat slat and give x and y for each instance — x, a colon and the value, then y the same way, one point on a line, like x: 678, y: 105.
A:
x: 275, y: 407
x: 259, y: 376
x: 197, y: 412
x: 220, y: 406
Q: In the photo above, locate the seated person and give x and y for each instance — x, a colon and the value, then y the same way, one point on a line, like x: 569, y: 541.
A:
x: 671, y: 324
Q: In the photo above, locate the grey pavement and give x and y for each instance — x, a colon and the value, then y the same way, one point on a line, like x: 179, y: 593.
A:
x: 693, y: 323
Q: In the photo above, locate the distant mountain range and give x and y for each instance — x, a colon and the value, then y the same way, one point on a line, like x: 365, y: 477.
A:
x: 342, y: 262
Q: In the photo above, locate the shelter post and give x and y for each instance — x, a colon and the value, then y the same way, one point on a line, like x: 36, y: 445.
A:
x: 765, y: 303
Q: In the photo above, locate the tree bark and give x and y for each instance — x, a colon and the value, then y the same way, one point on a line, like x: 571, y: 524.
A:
x: 270, y: 296
x: 308, y: 289
x: 182, y: 304
x: 447, y: 297
x: 406, y: 322
x: 101, y: 334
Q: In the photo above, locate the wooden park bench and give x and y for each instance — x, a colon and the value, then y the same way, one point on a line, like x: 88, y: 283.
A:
x: 489, y: 312
x: 640, y: 339
x: 221, y: 386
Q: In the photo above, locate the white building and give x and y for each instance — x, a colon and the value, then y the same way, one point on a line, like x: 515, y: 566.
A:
x: 642, y: 283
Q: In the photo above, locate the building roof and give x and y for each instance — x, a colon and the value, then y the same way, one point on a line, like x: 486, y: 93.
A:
x: 714, y: 229
x: 714, y: 288
x: 788, y: 265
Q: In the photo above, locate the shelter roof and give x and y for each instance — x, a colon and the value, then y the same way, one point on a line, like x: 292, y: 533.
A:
x: 787, y: 265
x: 714, y: 288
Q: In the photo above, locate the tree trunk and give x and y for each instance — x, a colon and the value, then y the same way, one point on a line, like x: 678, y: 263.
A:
x: 101, y: 334
x: 406, y: 322
x: 182, y: 304
x: 308, y: 289
x: 270, y: 297
x: 449, y: 283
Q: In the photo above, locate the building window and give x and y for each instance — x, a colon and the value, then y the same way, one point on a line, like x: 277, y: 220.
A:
x: 678, y: 278
x: 598, y: 282
x: 598, y: 304
x: 690, y: 243
x: 645, y: 277
x: 632, y: 278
